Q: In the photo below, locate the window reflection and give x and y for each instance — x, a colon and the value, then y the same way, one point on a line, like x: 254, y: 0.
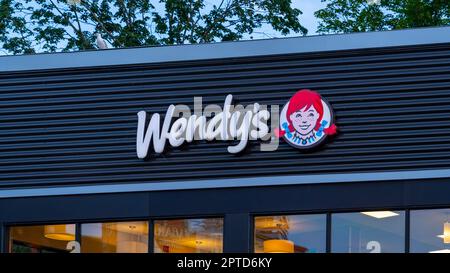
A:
x: 119, y: 237
x: 189, y: 236
x: 430, y: 231
x: 368, y: 232
x: 41, y: 239
x: 290, y: 234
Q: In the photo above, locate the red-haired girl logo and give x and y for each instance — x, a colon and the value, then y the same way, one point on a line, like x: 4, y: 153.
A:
x: 306, y: 120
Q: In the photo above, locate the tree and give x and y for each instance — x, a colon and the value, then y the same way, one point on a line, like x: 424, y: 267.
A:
x: 29, y: 26
x: 418, y: 13
x: 343, y: 16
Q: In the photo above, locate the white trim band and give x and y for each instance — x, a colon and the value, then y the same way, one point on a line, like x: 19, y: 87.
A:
x: 227, y: 183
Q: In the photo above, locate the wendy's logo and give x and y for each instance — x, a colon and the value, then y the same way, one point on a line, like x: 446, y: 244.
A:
x: 306, y: 120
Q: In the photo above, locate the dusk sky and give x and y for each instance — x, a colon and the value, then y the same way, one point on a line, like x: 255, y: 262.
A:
x: 307, y: 19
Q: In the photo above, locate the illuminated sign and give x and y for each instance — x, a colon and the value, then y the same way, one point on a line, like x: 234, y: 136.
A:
x: 305, y: 122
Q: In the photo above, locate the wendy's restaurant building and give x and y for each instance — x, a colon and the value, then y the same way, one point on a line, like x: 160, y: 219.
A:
x: 334, y: 143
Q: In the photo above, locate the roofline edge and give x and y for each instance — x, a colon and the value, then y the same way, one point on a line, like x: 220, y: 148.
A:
x: 252, y: 48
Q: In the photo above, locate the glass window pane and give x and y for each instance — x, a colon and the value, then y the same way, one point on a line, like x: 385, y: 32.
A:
x: 189, y: 236
x: 118, y: 237
x: 41, y: 239
x: 290, y: 234
x: 430, y: 231
x: 368, y: 232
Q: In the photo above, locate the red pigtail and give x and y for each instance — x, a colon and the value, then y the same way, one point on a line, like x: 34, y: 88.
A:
x: 330, y: 130
x: 279, y: 133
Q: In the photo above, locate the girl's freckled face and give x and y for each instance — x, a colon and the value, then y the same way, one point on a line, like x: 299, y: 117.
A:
x: 304, y: 120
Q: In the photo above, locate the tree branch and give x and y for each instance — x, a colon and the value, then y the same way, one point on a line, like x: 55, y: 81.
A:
x: 80, y: 33
x: 216, y: 18
x: 126, y: 14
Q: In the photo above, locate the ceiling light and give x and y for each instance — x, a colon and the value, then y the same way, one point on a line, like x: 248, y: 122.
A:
x: 278, y: 246
x: 380, y: 214
x: 446, y: 235
x: 440, y: 251
x: 60, y: 232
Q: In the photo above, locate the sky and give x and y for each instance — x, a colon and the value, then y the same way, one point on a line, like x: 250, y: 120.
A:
x: 307, y: 19
x: 308, y: 7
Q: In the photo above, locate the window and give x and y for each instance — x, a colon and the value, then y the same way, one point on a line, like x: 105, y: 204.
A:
x: 42, y: 238
x: 117, y: 237
x: 430, y: 231
x: 290, y: 234
x: 355, y: 232
x: 368, y: 232
x: 188, y: 236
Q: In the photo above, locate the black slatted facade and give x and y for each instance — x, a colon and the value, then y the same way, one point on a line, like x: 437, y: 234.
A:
x: 78, y: 126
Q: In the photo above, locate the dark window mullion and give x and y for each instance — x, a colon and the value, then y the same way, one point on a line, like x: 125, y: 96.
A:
x: 236, y: 233
x: 251, y: 230
x: 150, y: 236
x: 3, y: 238
x: 78, y: 234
